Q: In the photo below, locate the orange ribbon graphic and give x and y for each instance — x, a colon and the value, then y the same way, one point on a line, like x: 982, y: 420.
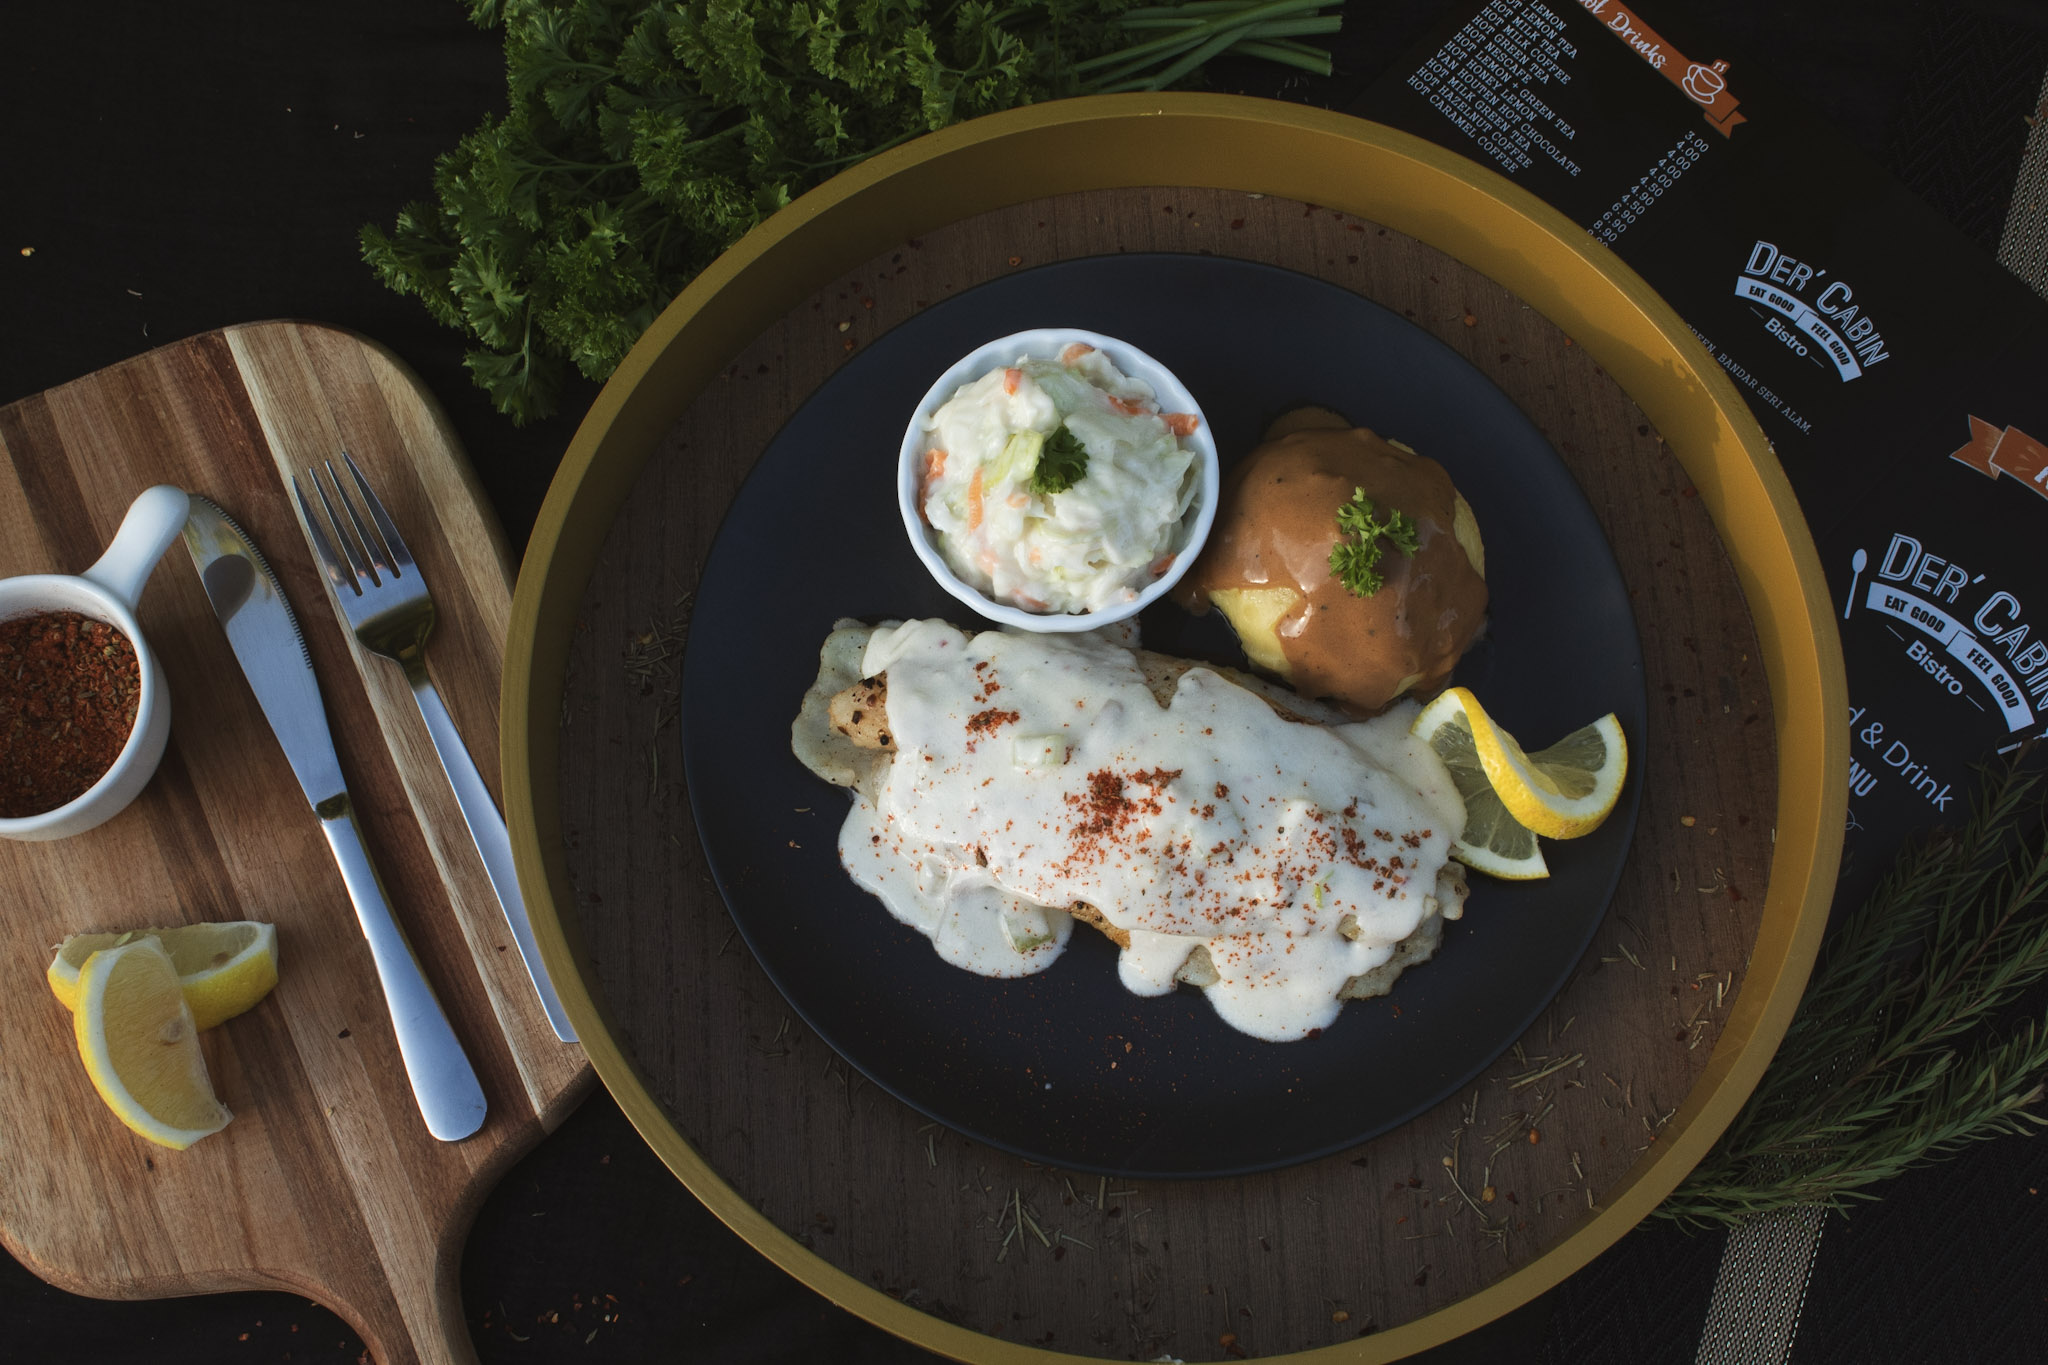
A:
x: 1993, y: 451
x: 1704, y: 83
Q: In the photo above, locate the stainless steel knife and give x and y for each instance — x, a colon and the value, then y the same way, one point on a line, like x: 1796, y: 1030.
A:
x: 265, y: 637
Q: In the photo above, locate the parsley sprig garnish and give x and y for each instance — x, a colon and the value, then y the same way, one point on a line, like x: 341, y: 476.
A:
x: 1355, y: 558
x: 1061, y: 463
x: 644, y: 137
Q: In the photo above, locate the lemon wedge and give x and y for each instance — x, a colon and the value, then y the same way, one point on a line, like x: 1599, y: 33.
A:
x: 223, y: 969
x: 1561, y: 792
x: 1494, y: 842
x: 137, y: 1039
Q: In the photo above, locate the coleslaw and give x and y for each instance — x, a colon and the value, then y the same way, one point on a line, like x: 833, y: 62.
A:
x: 1057, y: 484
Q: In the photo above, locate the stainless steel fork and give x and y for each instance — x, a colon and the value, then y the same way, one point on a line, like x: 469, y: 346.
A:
x: 382, y: 596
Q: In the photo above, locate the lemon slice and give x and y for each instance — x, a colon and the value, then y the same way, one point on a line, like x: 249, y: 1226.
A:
x: 136, y: 1037
x: 1561, y: 792
x: 1494, y: 842
x: 223, y: 969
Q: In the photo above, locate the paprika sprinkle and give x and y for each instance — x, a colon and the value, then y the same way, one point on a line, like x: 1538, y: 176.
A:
x: 69, y: 686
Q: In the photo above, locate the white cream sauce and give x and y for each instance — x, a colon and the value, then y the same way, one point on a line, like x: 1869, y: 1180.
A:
x: 1210, y: 822
x: 943, y: 893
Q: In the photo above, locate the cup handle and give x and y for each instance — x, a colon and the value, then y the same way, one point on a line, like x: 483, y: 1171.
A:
x: 154, y: 520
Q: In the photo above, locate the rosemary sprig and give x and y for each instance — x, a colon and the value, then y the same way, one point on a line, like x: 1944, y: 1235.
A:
x: 1900, y: 1053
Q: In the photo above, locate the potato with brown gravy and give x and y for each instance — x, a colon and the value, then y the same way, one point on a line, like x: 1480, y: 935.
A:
x: 1268, y: 565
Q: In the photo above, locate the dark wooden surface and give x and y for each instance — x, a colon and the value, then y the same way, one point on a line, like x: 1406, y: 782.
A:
x: 1264, y: 1264
x: 327, y: 1180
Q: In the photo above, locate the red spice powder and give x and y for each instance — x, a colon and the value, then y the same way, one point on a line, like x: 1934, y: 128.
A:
x: 68, y: 692
x: 985, y: 722
x: 1104, y: 808
x: 1106, y: 812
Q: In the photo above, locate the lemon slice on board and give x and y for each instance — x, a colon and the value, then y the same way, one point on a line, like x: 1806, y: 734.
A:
x: 1560, y: 792
x: 223, y: 969
x: 1494, y: 841
x: 136, y: 1037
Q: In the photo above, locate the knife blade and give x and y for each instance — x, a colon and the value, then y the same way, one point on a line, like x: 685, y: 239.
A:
x: 267, y: 643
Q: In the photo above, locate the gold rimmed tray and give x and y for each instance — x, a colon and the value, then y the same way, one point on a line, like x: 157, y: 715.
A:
x: 1626, y: 1080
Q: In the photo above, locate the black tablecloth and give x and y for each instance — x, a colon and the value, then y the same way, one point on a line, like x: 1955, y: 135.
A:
x: 178, y: 168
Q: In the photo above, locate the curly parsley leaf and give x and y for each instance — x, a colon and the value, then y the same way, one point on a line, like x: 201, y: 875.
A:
x: 1355, y: 558
x: 644, y: 137
x: 1061, y: 463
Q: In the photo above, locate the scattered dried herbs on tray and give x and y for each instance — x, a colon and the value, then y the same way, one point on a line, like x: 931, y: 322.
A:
x: 643, y: 138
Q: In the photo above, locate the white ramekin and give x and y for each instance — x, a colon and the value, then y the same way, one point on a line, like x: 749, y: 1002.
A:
x: 1048, y: 342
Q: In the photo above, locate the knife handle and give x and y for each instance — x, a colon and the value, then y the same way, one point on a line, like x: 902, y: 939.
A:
x: 493, y: 843
x: 443, y: 1082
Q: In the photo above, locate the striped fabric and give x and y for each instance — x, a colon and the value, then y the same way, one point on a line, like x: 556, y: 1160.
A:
x: 2023, y: 245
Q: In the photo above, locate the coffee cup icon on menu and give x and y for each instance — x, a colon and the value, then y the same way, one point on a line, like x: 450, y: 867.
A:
x: 1705, y: 83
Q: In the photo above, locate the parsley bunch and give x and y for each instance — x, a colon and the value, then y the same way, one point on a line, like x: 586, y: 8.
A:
x: 644, y: 138
x: 1355, y: 558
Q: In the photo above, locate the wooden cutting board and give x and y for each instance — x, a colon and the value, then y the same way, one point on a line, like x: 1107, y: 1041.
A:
x: 326, y: 1183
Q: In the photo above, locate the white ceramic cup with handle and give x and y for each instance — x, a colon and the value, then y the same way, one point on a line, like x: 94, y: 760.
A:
x: 108, y: 592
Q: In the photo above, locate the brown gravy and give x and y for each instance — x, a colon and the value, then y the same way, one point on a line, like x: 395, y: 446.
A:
x: 1274, y: 528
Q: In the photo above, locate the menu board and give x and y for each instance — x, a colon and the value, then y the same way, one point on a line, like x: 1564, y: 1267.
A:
x: 1900, y: 373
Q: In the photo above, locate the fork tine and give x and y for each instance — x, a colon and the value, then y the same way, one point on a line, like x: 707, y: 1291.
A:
x: 341, y: 575
x: 372, y: 546
x: 401, y: 557
x: 357, y: 562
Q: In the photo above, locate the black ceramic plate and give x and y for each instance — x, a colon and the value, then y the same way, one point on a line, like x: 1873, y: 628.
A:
x: 1066, y: 1067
